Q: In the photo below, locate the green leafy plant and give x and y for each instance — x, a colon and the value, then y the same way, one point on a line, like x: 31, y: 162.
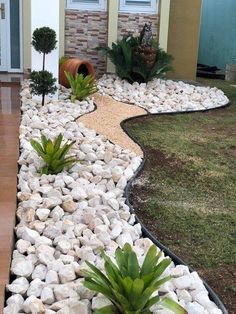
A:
x: 81, y: 86
x: 44, y: 41
x: 42, y: 83
x: 132, y: 61
x: 53, y: 154
x: 128, y: 286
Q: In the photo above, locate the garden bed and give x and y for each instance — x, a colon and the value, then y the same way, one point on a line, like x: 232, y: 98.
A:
x: 65, y: 219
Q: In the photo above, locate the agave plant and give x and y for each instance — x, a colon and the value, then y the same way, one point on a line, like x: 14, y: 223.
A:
x: 81, y: 86
x: 53, y: 154
x: 128, y: 286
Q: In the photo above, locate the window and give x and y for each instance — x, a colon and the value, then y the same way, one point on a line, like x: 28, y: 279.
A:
x: 95, y: 5
x: 139, y: 6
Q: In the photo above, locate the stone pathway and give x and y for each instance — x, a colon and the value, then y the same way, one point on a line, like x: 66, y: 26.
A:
x: 106, y: 119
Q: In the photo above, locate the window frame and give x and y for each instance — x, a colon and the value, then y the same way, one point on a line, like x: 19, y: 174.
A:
x: 127, y: 8
x: 100, y: 6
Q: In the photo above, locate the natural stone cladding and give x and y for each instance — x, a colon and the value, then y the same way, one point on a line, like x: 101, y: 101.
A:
x: 86, y: 30
x: 133, y: 23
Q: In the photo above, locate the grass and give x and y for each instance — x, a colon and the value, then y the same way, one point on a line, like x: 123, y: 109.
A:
x: 187, y: 192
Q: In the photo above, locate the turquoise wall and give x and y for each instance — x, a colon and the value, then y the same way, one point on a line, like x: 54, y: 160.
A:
x: 218, y: 33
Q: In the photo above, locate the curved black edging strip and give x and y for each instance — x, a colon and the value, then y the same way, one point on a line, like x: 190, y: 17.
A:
x: 213, y: 296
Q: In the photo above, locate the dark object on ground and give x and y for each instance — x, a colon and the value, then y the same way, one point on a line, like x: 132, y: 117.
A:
x: 208, y: 71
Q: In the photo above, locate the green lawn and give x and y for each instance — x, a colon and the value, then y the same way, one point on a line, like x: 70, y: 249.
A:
x: 186, y: 194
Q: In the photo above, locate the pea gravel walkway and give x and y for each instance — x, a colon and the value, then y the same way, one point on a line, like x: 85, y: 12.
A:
x: 106, y: 119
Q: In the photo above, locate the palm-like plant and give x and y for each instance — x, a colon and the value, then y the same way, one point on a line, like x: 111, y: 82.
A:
x: 128, y: 286
x: 81, y: 86
x: 132, y: 62
x: 53, y: 154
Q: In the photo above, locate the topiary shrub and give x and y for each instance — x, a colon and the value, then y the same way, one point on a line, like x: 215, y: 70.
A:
x: 42, y: 82
x: 44, y: 41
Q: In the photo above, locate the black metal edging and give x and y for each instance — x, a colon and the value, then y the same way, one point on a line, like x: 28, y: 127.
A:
x: 145, y: 232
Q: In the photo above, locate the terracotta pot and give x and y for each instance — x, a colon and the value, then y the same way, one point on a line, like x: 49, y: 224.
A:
x: 75, y: 65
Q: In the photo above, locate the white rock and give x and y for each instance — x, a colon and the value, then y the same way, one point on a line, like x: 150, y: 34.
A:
x: 183, y: 282
x: 39, y: 272
x: 99, y: 302
x: 117, y: 172
x: 29, y: 235
x: 52, y: 277
x: 123, y: 239
x: 64, y: 246
x: 47, y: 296
x: 65, y: 291
x: 194, y: 308
x: 12, y: 309
x: 78, y: 194
x: 16, y: 299
x: 66, y: 273
x: 22, y: 267
x: 83, y: 292
x: 19, y: 285
x: 113, y: 203
x: 184, y: 295
x: 22, y: 245
x: 42, y: 213
x: 35, y: 287
x: 33, y: 305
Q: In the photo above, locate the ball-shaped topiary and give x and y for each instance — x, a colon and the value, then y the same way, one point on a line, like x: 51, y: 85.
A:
x: 42, y: 83
x: 44, y: 39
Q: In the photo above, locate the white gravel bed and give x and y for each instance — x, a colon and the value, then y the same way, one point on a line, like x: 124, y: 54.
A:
x: 65, y: 219
x: 162, y: 95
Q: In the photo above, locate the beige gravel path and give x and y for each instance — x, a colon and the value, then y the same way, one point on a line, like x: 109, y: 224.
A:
x: 107, y: 118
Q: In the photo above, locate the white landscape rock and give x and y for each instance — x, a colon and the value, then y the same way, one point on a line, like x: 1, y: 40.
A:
x: 19, y: 285
x: 22, y: 267
x: 162, y: 95
x: 66, y: 219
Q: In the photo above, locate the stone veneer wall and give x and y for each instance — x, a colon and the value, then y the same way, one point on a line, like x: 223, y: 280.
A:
x: 133, y: 23
x: 86, y: 30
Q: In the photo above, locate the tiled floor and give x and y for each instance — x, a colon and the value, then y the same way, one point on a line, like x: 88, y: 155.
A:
x: 9, y: 125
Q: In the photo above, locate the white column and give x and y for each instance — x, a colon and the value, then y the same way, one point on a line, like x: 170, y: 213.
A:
x: 113, y: 6
x: 164, y: 8
x: 45, y: 13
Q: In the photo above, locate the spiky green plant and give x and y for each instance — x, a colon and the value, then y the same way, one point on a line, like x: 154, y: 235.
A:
x: 53, y: 154
x: 128, y: 286
x: 81, y: 86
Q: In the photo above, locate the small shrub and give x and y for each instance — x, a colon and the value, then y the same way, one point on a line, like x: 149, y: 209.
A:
x: 44, y: 41
x: 53, y: 154
x: 128, y: 286
x: 42, y: 83
x: 81, y: 86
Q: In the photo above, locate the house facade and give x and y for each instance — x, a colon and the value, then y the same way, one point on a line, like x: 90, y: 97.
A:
x: 86, y: 24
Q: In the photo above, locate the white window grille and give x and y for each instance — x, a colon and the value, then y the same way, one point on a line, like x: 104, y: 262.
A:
x: 93, y: 5
x: 138, y: 6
